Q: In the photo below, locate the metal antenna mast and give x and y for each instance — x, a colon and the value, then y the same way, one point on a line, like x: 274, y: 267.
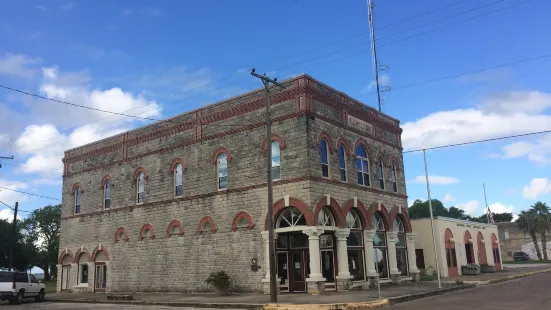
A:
x: 374, y: 50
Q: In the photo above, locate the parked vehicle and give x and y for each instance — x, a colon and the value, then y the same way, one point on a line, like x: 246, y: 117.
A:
x: 16, y: 286
x: 520, y: 256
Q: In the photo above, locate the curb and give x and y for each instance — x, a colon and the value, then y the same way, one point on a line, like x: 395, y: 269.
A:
x: 493, y: 281
x: 339, y: 306
x: 167, y: 304
x: 406, y: 298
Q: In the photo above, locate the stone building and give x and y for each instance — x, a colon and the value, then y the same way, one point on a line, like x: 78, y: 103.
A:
x: 514, y: 240
x: 160, y: 207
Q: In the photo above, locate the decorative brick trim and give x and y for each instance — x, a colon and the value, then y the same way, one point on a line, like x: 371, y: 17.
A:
x: 392, y: 160
x: 204, y: 220
x: 403, y: 216
x: 118, y: 233
x: 238, y: 217
x: 384, y: 215
x: 324, y: 136
x: 358, y: 187
x: 275, y: 137
x: 62, y: 255
x: 333, y: 206
x: 84, y: 251
x: 175, y: 162
x: 137, y: 172
x: 293, y: 202
x: 466, y: 237
x: 349, y: 205
x: 97, y: 250
x: 145, y: 228
x: 105, y: 178
x: 345, y: 144
x: 361, y: 141
x: 75, y: 186
x: 381, y: 155
x: 218, y: 151
x: 170, y: 227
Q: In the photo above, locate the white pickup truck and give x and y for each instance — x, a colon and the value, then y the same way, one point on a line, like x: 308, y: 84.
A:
x: 16, y: 286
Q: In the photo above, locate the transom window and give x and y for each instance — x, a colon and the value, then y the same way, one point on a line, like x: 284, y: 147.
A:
x: 243, y: 222
x: 353, y: 220
x: 141, y: 188
x: 342, y: 163
x: 77, y: 200
x: 394, y: 182
x: 276, y: 161
x: 290, y: 217
x: 362, y: 166
x: 325, y: 218
x: 380, y: 173
x: 107, y: 194
x: 222, y: 171
x: 178, y: 180
x: 324, y: 159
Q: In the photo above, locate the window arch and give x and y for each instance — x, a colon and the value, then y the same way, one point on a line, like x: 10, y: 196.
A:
x: 147, y: 232
x: 326, y: 218
x: 342, y: 163
x: 222, y: 171
x: 380, y: 250
x: 174, y: 228
x: 242, y: 220
x: 324, y: 158
x: 276, y: 161
x: 121, y: 234
x: 380, y: 173
x: 362, y: 166
x: 207, y: 225
x: 401, y: 245
x: 394, y: 178
x: 290, y: 217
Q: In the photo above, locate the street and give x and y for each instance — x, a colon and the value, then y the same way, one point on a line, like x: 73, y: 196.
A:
x: 84, y: 306
x: 522, y: 294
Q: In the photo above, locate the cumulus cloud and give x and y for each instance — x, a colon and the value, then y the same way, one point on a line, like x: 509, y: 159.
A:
x: 498, y: 207
x: 537, y: 151
x: 7, y: 214
x: 515, y: 102
x: 384, y: 80
x: 536, y: 188
x: 435, y: 180
x: 471, y: 207
x: 448, y: 198
x: 18, y: 65
x: 10, y: 197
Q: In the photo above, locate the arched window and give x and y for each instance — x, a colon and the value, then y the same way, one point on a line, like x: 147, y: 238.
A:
x: 355, y: 246
x: 380, y: 173
x: 107, y: 194
x: 222, y: 167
x: 326, y: 218
x: 290, y: 217
x: 394, y: 179
x: 276, y: 161
x: 82, y: 268
x: 178, y: 180
x: 141, y: 188
x: 77, y: 200
x: 342, y: 163
x: 362, y: 166
x: 401, y: 246
x: 380, y: 250
x: 324, y: 158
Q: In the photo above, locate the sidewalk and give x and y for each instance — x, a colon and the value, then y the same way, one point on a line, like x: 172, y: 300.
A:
x: 498, y: 276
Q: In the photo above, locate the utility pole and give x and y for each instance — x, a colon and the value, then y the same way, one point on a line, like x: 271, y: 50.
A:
x: 432, y: 222
x: 374, y: 50
x: 4, y: 157
x: 266, y: 81
x: 14, y: 236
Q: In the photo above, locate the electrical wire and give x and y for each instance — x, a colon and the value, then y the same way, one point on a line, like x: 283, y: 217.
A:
x: 31, y: 194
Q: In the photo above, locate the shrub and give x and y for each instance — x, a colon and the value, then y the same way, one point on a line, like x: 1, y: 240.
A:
x: 471, y: 266
x: 219, y: 280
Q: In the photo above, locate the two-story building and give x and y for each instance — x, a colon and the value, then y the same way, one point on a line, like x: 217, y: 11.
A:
x: 160, y: 207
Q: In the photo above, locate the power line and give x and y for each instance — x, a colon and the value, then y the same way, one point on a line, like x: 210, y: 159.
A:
x: 13, y: 209
x: 31, y: 194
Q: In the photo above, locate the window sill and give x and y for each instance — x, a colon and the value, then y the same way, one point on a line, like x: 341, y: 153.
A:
x: 222, y: 189
x: 82, y: 285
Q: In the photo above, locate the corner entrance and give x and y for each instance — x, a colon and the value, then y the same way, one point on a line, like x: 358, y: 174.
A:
x: 293, y: 261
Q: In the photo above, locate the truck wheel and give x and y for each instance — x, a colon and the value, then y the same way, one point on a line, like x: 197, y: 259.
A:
x: 19, y: 298
x: 40, y: 297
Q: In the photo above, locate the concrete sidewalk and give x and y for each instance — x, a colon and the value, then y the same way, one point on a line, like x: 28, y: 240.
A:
x: 498, y: 276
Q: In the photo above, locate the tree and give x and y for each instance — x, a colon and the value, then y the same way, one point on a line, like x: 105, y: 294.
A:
x: 457, y: 213
x: 22, y: 251
x: 543, y: 224
x: 498, y: 218
x: 527, y: 222
x: 42, y: 227
x: 420, y: 209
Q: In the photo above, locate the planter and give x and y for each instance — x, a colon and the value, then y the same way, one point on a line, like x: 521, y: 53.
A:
x: 221, y: 291
x: 469, y: 272
x: 487, y: 269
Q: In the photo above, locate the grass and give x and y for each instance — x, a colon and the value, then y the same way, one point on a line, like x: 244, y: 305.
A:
x: 535, y: 261
x: 50, y: 286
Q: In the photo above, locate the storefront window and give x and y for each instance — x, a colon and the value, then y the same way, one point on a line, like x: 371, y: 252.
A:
x: 355, y: 246
x: 401, y: 246
x: 380, y: 250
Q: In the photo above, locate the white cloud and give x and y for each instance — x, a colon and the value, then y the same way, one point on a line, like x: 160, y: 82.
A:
x: 490, y: 120
x: 10, y: 197
x: 471, y: 207
x: 498, y: 207
x: 68, y: 6
x: 17, y: 65
x: 493, y: 75
x: 537, y: 151
x: 7, y: 214
x: 384, y: 80
x: 536, y: 188
x: 435, y: 180
x: 448, y: 198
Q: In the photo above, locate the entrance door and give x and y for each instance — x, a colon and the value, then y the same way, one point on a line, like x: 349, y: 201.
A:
x: 65, y: 276
x: 101, y: 277
x: 297, y: 271
x: 469, y: 253
x: 283, y: 271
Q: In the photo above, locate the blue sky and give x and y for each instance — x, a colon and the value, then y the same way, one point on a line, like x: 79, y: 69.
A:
x: 164, y: 58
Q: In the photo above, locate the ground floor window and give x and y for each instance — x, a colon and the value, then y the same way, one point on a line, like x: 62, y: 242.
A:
x: 496, y: 256
x: 469, y: 253
x: 420, y: 258
x: 450, y: 258
x: 101, y: 277
x: 402, y: 261
x: 84, y: 273
x: 356, y: 263
x: 380, y: 258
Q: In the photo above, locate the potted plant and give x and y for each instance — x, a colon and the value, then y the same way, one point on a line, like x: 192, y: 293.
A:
x: 485, y: 268
x: 470, y: 269
x: 220, y: 281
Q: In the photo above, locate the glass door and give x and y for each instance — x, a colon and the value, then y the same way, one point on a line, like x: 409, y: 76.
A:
x: 283, y: 271
x: 297, y: 272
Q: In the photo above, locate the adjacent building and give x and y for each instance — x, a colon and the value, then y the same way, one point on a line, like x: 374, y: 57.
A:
x: 514, y: 240
x: 458, y: 243
x: 160, y: 207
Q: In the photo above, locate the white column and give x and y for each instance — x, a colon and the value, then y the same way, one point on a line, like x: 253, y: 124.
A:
x: 266, y: 238
x: 342, y: 253
x: 314, y: 250
x: 391, y: 238
x: 412, y: 258
x: 368, y: 253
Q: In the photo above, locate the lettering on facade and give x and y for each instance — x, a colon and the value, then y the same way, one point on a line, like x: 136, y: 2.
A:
x: 461, y: 225
x: 468, y: 225
x: 359, y: 124
x: 477, y: 227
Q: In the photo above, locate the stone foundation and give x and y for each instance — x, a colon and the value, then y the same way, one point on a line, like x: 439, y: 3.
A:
x: 396, y: 278
x: 315, y: 286
x: 415, y: 276
x: 344, y: 284
x: 266, y: 286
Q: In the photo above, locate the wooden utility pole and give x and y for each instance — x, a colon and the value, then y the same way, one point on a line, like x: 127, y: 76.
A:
x: 4, y: 157
x: 266, y: 81
x: 14, y: 237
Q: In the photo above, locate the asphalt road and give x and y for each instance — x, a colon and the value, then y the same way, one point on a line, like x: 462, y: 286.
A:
x: 528, y: 293
x: 70, y: 306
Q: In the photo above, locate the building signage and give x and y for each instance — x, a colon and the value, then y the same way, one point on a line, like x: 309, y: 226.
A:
x: 359, y: 124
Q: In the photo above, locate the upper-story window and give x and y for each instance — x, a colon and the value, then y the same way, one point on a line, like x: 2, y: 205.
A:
x: 380, y: 174
x: 222, y: 167
x: 141, y: 188
x: 178, y: 180
x: 276, y: 161
x: 107, y: 194
x: 362, y: 166
x: 342, y: 163
x: 324, y: 158
x: 77, y: 200
x: 394, y: 179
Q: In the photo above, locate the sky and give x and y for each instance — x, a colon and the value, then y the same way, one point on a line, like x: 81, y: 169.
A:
x: 458, y: 71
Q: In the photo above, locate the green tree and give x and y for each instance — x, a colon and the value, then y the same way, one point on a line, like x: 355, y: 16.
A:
x: 42, y: 227
x: 23, y: 253
x: 420, y: 209
x: 457, y: 213
x: 527, y: 222
x: 543, y: 224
